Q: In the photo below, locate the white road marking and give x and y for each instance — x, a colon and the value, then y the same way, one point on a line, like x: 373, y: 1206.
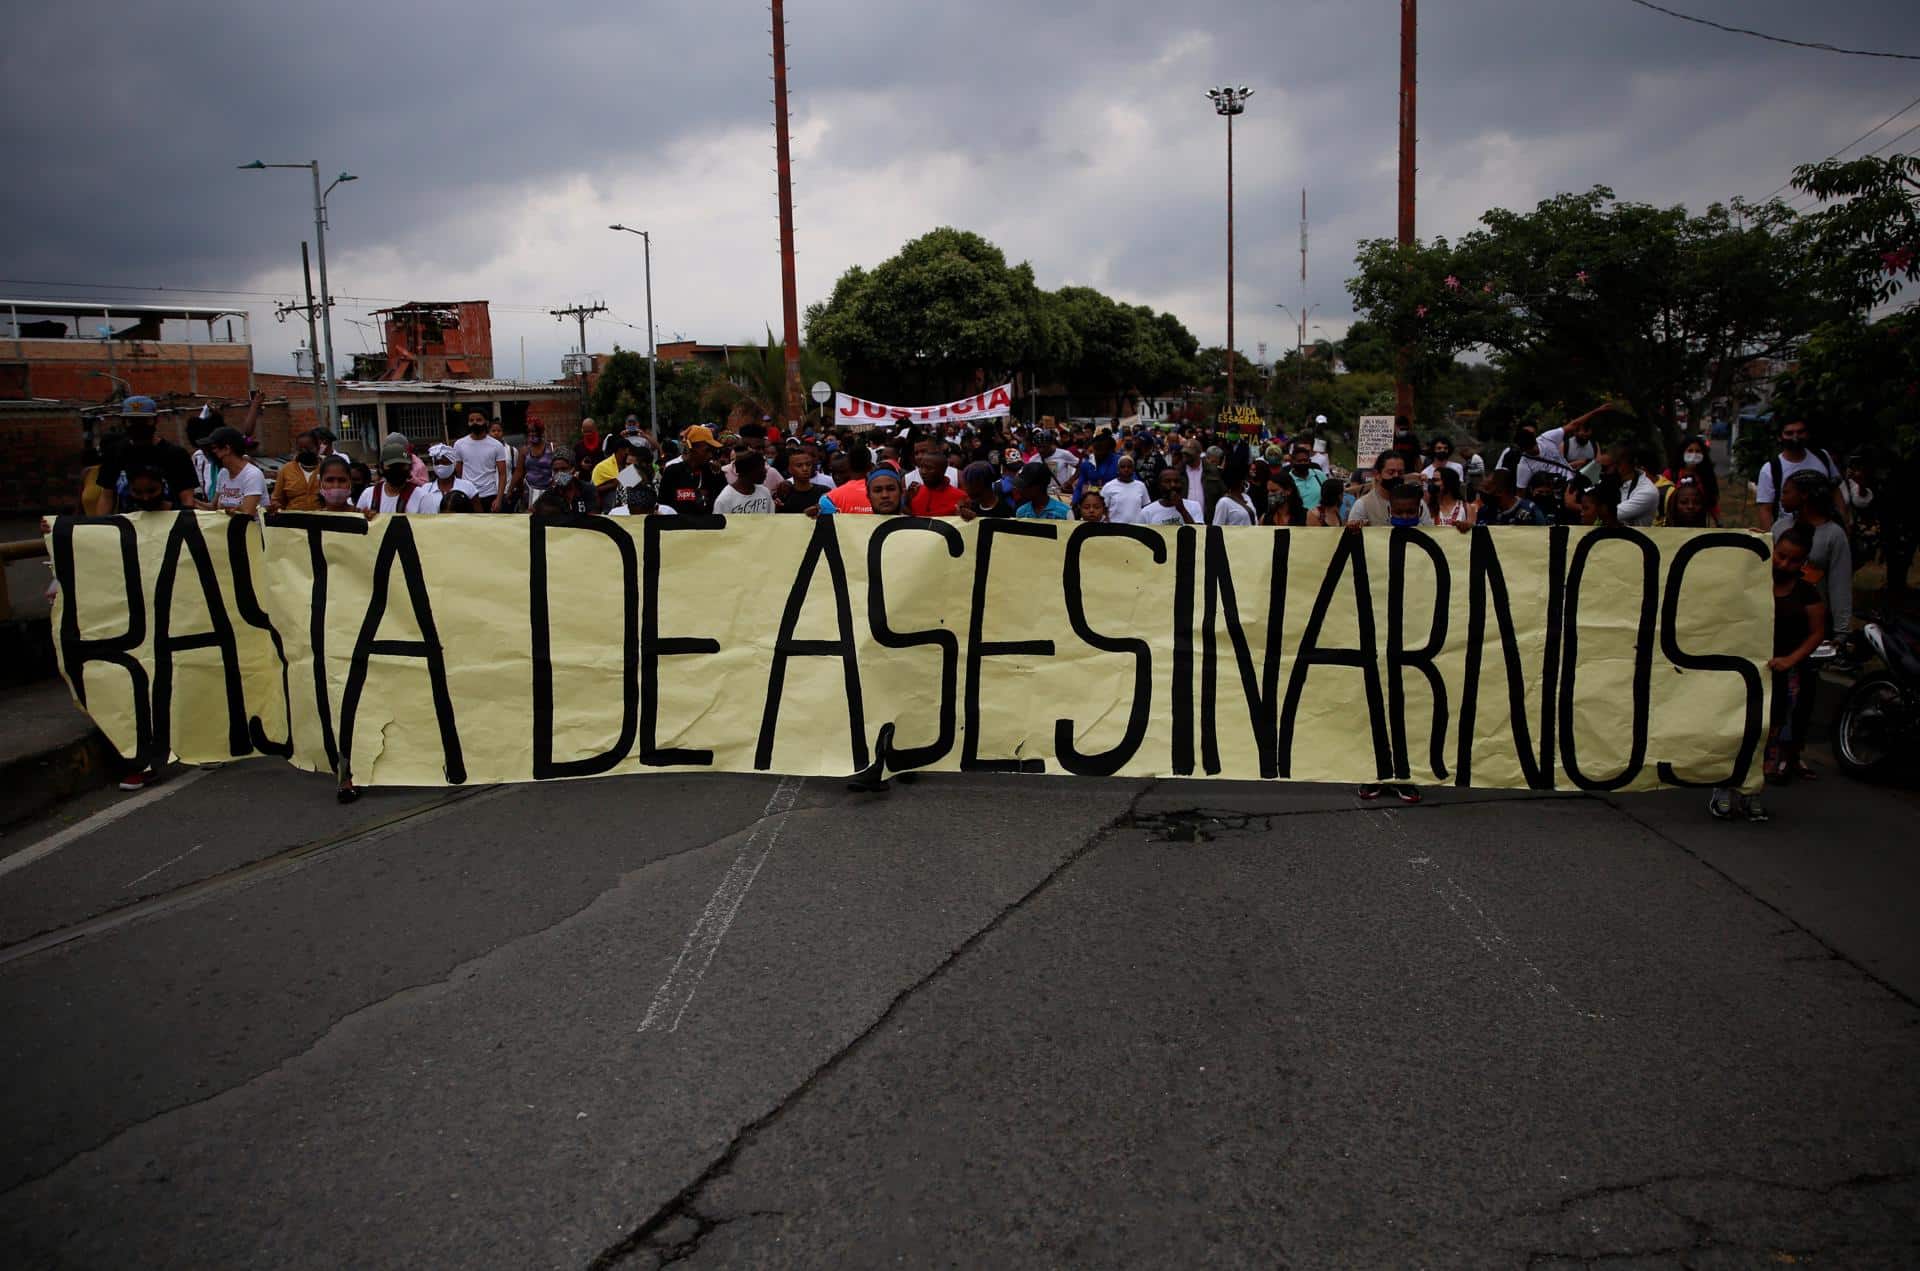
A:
x: 157, y: 868
x: 99, y: 820
x: 696, y: 955
x: 1486, y: 933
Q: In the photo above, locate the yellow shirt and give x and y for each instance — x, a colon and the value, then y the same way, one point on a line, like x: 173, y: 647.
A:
x: 295, y: 489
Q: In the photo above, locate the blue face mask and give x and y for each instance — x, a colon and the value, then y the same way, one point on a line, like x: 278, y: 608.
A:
x: 1404, y: 522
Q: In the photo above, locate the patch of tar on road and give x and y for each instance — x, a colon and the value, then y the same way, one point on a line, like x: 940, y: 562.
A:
x: 1197, y: 825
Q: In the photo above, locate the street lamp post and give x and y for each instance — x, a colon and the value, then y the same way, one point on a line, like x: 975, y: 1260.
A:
x: 1230, y: 101
x: 653, y: 398
x: 326, y: 296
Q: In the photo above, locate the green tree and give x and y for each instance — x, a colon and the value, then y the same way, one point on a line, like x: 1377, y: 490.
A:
x: 754, y: 385
x: 935, y: 320
x: 621, y: 390
x: 1587, y: 299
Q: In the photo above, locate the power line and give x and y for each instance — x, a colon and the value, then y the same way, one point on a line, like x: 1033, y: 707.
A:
x: 1774, y: 39
x: 130, y: 288
x: 1856, y: 141
x: 1806, y: 194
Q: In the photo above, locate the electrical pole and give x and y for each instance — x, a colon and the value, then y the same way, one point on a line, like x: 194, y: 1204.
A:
x: 581, y: 313
x: 1300, y: 346
x: 313, y: 339
x: 789, y: 295
x: 1409, y: 56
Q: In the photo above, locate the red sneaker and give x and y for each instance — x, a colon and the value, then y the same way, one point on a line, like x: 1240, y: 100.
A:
x: 137, y: 780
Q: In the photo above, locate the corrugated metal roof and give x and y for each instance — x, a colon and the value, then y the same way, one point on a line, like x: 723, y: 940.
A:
x: 436, y: 388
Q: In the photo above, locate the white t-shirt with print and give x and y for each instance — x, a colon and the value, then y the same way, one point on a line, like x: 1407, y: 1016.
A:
x: 477, y: 456
x: 730, y: 502
x: 233, y: 488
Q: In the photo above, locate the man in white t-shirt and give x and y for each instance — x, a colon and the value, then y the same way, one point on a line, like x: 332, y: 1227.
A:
x: 482, y: 460
x: 1170, y: 508
x: 237, y: 485
x: 1442, y: 455
x: 1571, y: 444
x: 747, y: 493
x: 1795, y: 456
x: 1126, y: 495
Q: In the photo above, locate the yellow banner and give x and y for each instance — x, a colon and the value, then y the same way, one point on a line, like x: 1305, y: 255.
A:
x: 453, y: 649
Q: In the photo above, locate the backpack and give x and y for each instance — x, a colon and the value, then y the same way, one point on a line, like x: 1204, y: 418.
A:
x: 1774, y: 468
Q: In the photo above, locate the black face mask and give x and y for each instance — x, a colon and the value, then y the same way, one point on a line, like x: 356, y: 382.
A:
x: 1785, y: 575
x: 399, y: 474
x: 478, y: 430
x: 309, y: 460
x: 157, y: 503
x: 1390, y: 484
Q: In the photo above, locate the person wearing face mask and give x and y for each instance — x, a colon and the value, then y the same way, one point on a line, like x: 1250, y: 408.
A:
x: 442, y: 464
x: 1308, y: 481
x: 333, y: 484
x: 566, y: 494
x: 1375, y: 506
x: 142, y: 448
x: 297, y: 486
x: 1696, y: 465
x: 396, y: 491
x: 482, y: 460
x: 235, y: 484
x: 1796, y: 455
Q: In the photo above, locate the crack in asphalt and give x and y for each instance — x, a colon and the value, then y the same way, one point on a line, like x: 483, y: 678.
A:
x: 1837, y: 954
x: 464, y: 969
x: 641, y: 1240
x: 1706, y: 1237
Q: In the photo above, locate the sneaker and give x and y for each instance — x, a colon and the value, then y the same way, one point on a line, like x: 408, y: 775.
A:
x: 1756, y: 810
x: 137, y: 780
x: 1407, y: 794
x: 347, y: 794
x: 1720, y: 803
x: 1371, y: 791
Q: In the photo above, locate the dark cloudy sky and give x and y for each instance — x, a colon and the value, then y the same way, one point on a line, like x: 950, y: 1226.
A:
x: 496, y: 141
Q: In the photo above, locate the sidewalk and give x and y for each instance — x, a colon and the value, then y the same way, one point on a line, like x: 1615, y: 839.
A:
x: 49, y: 750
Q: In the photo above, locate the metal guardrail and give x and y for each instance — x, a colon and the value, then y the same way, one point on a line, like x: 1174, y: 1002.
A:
x: 20, y: 549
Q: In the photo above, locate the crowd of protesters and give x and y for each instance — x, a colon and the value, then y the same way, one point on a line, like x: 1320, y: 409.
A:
x: 1823, y: 517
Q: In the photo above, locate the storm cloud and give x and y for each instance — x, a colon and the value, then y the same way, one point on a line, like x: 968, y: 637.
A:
x: 495, y: 142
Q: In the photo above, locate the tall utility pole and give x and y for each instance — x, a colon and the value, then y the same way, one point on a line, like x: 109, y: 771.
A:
x: 1300, y: 346
x: 581, y: 313
x: 313, y: 340
x: 1230, y: 101
x: 783, y: 161
x: 1409, y: 57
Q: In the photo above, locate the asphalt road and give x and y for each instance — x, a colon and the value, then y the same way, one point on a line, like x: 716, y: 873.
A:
x: 975, y: 1022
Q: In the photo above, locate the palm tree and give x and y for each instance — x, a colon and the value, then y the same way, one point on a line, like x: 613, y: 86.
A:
x: 755, y: 384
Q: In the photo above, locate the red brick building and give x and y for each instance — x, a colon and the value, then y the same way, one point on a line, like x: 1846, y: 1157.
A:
x: 65, y: 366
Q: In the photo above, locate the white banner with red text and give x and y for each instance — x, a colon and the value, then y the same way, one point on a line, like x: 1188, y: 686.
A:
x: 857, y: 412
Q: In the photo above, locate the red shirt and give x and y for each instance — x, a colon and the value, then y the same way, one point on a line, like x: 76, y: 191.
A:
x: 924, y: 500
x: 851, y: 497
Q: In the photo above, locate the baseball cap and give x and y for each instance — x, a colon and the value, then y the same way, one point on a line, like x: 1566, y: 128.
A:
x: 138, y: 408
x: 1319, y: 419
x: 698, y: 435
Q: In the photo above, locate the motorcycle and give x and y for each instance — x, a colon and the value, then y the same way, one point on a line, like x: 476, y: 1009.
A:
x: 1877, y: 733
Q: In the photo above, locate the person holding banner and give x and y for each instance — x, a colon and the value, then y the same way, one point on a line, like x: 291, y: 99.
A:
x: 1375, y: 507
x: 930, y: 492
x: 236, y: 485
x: 397, y: 493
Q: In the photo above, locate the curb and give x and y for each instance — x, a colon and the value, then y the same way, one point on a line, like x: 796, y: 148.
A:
x: 34, y: 783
